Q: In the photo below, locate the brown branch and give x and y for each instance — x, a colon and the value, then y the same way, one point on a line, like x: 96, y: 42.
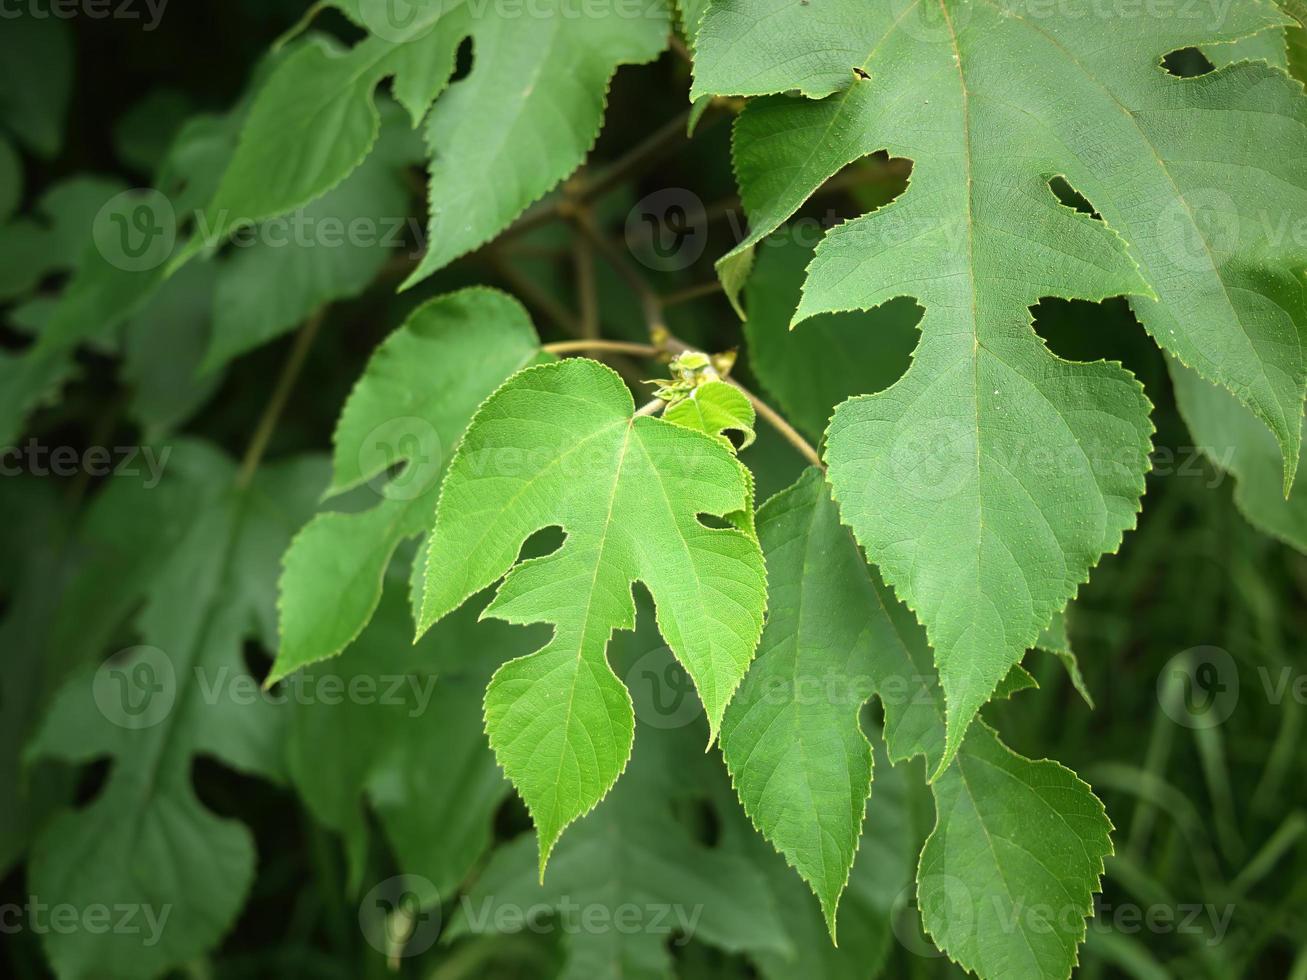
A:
x: 680, y: 48
x: 651, y: 303
x: 639, y: 158
x: 597, y: 344
x: 587, y: 293
x: 290, y: 373
x: 664, y: 339
x: 690, y: 293
x: 533, y: 295
x: 643, y: 155
x: 777, y: 422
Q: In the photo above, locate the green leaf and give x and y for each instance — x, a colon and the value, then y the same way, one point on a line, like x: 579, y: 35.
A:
x: 146, y: 839
x: 560, y: 445
x: 881, y: 875
x: 143, y: 135
x: 409, y: 742
x: 1219, y: 287
x: 53, y: 236
x: 11, y: 180
x: 1296, y: 37
x: 1237, y: 443
x: 811, y: 370
x: 326, y: 251
x: 715, y: 408
x: 162, y: 347
x: 36, y: 79
x: 1056, y: 641
x: 1008, y: 874
x: 991, y: 477
x: 791, y: 739
x: 37, y: 570
x: 78, y: 582
x: 410, y: 408
x: 500, y: 138
x: 633, y: 865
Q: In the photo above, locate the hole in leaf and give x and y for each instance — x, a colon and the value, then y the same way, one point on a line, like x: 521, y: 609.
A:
x: 1078, y: 330
x: 511, y: 819
x: 868, y: 185
x: 91, y: 780
x: 1187, y: 63
x: 1072, y: 198
x: 462, y: 61
x: 233, y: 794
x: 700, y: 818
x: 257, y: 662
x: 541, y: 543
x: 714, y: 522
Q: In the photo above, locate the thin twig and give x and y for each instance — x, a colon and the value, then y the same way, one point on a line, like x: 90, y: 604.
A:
x: 299, y: 27
x: 651, y: 408
x: 533, y: 295
x: 638, y: 159
x: 290, y: 372
x: 597, y: 344
x: 679, y: 47
x: 777, y: 422
x: 645, y: 154
x: 664, y: 339
x: 583, y: 260
x: 651, y: 303
x: 690, y: 293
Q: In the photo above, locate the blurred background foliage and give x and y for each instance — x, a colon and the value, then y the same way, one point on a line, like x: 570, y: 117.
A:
x: 1213, y: 818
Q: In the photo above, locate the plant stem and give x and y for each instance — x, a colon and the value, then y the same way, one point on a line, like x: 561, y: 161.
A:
x: 692, y: 293
x: 597, y: 344
x: 643, y: 155
x: 646, y: 153
x: 583, y: 259
x: 679, y: 47
x: 665, y: 340
x: 777, y: 422
x: 533, y: 295
x: 650, y: 302
x: 290, y: 372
